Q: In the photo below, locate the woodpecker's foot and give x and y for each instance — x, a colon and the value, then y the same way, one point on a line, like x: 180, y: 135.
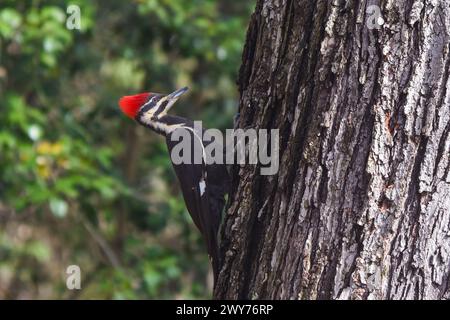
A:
x: 236, y: 120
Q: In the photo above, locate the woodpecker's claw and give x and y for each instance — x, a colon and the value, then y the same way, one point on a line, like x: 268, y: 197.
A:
x: 236, y: 120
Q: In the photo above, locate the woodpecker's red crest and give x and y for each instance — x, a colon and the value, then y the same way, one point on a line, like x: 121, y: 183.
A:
x: 130, y: 105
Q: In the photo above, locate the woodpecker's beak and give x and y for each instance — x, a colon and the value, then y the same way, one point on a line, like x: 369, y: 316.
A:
x: 175, y: 95
x: 171, y: 99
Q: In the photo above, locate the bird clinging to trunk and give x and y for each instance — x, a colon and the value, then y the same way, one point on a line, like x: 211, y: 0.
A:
x: 203, y: 185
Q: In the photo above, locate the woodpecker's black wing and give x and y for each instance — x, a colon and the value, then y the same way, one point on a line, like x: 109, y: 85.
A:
x: 204, y: 188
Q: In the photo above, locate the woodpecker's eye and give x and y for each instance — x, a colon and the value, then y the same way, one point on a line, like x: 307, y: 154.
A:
x: 149, y: 104
x: 152, y: 101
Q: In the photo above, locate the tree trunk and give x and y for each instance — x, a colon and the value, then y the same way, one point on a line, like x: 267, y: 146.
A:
x: 360, y: 208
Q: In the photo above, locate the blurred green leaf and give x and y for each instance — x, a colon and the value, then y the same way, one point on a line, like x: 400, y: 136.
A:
x: 66, y: 147
x: 59, y: 207
x: 10, y: 20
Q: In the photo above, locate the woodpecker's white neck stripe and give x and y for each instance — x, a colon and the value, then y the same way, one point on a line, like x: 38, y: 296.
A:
x: 200, y: 139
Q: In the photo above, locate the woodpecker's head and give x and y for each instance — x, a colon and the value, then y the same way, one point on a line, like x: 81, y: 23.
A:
x: 148, y: 107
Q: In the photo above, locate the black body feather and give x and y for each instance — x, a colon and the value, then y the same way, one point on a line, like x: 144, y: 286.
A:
x: 205, y: 209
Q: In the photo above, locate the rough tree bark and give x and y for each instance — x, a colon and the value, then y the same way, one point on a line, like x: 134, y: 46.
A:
x: 360, y: 207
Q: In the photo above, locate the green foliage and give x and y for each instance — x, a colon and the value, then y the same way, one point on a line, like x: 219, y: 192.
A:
x: 79, y: 182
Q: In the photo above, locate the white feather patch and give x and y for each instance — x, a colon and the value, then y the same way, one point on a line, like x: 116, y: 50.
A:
x: 202, y: 186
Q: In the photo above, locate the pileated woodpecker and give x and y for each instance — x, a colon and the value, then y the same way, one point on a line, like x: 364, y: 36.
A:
x: 203, y: 185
